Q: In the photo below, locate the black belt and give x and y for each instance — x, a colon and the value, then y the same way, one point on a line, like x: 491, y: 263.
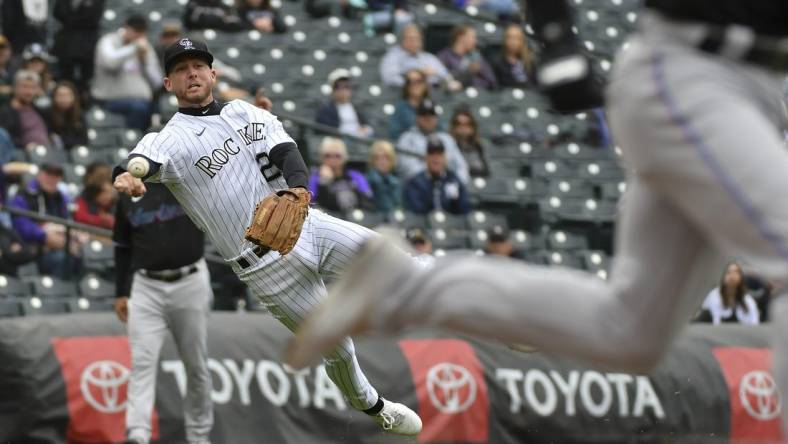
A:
x: 769, y: 52
x: 258, y: 251
x: 169, y: 275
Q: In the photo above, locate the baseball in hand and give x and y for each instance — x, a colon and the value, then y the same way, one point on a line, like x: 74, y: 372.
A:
x: 138, y: 167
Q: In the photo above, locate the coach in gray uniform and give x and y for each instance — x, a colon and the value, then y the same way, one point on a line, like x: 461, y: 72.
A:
x: 158, y: 257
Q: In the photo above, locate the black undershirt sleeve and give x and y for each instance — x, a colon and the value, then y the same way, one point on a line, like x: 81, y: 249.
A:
x: 120, y: 169
x: 289, y: 161
x: 121, y: 235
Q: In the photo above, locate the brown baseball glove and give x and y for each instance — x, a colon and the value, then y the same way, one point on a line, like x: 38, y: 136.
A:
x: 278, y: 219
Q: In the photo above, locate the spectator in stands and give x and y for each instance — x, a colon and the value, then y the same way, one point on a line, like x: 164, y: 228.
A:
x: 325, y: 8
x: 260, y: 15
x: 339, y: 112
x: 20, y: 118
x: 64, y: 119
x: 385, y: 185
x: 211, y: 14
x: 414, y: 143
x: 13, y: 251
x: 170, y: 33
x: 761, y: 291
x: 8, y: 68
x: 500, y: 244
x: 337, y: 188
x: 43, y: 196
x: 513, y: 65
x: 729, y: 301
x: 437, y: 187
x: 414, y: 91
x: 35, y: 58
x: 261, y: 100
x: 96, y: 203
x: 79, y: 29
x: 465, y: 62
x: 420, y: 241
x: 408, y: 55
x: 465, y: 132
x: 126, y: 67
x: 386, y: 16
x: 24, y: 22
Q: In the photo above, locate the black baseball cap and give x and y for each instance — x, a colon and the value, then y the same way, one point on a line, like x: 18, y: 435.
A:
x: 426, y: 108
x: 186, y: 47
x: 497, y: 233
x: 435, y: 145
x: 52, y: 168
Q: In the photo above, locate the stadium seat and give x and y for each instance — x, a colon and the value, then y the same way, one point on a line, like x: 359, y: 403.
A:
x: 83, y: 304
x: 98, y: 256
x: 568, y: 188
x: 10, y: 308
x: 50, y: 287
x: 594, y: 260
x: 369, y: 219
x: 601, y: 172
x: 446, y: 221
x: 94, y: 287
x: 11, y: 287
x: 558, y: 258
x: 41, y: 154
x: 407, y: 220
x: 40, y: 306
x: 492, y: 190
x: 99, y: 118
x: 447, y: 240
x: 104, y: 137
x: 483, y: 220
x: 82, y: 155
x: 612, y: 191
x: 563, y: 240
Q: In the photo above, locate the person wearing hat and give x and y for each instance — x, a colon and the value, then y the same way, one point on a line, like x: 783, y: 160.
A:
x: 126, y: 67
x: 42, y: 195
x: 36, y: 58
x: 437, y: 187
x: 420, y: 241
x: 500, y: 244
x: 338, y: 112
x: 413, y: 145
x: 79, y: 29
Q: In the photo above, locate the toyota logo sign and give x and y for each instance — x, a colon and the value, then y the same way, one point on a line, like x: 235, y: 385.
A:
x: 101, y: 384
x: 451, y: 388
x: 759, y: 396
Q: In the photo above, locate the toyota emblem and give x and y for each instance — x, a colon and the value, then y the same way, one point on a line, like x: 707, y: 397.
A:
x: 101, y: 384
x: 759, y: 396
x: 451, y: 388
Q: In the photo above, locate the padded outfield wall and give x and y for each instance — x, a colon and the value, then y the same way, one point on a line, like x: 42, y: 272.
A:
x: 64, y: 378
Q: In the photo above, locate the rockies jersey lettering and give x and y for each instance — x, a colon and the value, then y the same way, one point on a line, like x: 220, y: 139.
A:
x: 218, y: 168
x: 212, y: 164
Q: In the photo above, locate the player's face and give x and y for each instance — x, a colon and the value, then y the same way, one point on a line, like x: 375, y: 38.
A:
x: 191, y: 80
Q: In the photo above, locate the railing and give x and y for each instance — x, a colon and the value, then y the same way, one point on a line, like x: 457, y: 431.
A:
x: 71, y: 225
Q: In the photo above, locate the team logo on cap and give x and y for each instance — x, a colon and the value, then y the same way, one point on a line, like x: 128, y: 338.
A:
x: 187, y: 44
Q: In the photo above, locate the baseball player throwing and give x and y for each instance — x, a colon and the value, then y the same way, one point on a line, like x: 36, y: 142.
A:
x: 221, y: 162
x: 694, y: 104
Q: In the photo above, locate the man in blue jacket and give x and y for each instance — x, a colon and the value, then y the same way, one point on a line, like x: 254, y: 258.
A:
x: 437, y: 187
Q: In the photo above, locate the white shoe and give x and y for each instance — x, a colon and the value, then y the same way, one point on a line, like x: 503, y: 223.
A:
x: 398, y: 418
x: 380, y: 268
x: 137, y: 437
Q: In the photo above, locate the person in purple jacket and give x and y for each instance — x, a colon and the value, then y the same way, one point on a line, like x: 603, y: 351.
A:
x: 464, y: 61
x: 42, y: 196
x: 336, y: 188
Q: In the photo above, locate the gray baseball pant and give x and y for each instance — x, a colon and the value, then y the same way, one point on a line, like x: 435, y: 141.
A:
x: 182, y: 307
x: 707, y: 169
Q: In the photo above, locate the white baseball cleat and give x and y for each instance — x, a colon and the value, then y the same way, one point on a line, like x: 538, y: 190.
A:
x: 398, y: 418
x: 377, y: 270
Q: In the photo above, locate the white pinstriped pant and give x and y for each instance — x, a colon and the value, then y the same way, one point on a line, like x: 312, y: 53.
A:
x: 291, y: 286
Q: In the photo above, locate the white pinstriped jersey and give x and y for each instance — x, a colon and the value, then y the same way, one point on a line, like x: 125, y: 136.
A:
x: 218, y: 168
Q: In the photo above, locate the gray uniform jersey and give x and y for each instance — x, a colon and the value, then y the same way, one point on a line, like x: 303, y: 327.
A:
x: 218, y: 168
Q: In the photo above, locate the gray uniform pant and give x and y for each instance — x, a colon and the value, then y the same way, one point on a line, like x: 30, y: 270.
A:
x: 707, y: 169
x: 182, y: 307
